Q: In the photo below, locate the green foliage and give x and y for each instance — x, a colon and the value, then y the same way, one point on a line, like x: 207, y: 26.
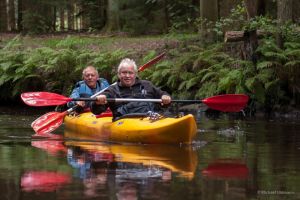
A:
x: 235, y: 21
x: 181, y: 15
x: 278, y: 68
x: 107, y: 62
x: 52, y: 69
x: 11, y: 58
x: 194, y: 74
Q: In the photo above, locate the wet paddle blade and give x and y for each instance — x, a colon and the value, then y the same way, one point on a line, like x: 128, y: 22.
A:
x: 48, y: 122
x: 44, y: 99
x: 227, y: 102
x: 43, y: 181
x: 151, y: 62
x: 226, y: 170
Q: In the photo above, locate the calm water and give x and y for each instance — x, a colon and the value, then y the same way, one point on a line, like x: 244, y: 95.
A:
x: 230, y: 159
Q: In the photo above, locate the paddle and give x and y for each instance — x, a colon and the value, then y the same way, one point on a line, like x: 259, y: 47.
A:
x: 224, y: 103
x: 52, y: 120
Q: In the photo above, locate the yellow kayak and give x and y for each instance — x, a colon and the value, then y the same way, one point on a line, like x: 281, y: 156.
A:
x: 143, y: 130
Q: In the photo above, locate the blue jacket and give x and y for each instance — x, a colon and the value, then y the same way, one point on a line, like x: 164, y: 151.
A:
x: 83, y: 90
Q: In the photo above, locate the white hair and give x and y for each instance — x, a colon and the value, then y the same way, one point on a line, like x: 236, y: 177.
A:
x: 126, y: 62
x: 90, y: 67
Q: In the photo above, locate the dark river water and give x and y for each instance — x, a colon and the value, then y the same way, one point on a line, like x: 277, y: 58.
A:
x: 229, y: 159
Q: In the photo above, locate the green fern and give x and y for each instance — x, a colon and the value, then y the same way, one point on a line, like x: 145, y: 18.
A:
x: 267, y: 64
x: 194, y: 81
x: 293, y: 63
x: 209, y: 76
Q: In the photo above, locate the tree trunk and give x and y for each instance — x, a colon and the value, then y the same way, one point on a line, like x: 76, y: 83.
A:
x: 20, y: 15
x: 11, y: 16
x: 70, y: 9
x: 3, y: 16
x: 251, y: 6
x: 296, y: 11
x: 55, y: 14
x: 166, y: 16
x: 24, y: 6
x: 102, y: 14
x: 237, y: 36
x: 113, y: 19
x: 284, y: 14
x: 85, y: 22
x: 251, y: 42
x: 208, y: 10
x: 49, y: 13
x: 62, y: 19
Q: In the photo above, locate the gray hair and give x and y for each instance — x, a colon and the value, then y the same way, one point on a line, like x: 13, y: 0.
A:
x: 89, y: 67
x: 126, y: 62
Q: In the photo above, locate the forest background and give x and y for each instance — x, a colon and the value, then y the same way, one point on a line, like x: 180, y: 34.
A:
x: 212, y: 46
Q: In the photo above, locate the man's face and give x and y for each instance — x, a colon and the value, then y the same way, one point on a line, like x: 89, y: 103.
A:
x: 127, y: 76
x: 90, y: 77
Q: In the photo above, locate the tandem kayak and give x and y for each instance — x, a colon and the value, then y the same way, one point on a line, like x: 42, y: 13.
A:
x: 144, y: 130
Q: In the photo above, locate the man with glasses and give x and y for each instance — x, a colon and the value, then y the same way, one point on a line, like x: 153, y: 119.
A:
x: 130, y: 86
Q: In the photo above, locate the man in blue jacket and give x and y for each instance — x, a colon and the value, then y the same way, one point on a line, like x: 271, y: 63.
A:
x: 90, y: 85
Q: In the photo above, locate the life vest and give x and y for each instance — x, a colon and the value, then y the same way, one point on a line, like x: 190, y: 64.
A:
x: 83, y: 90
x: 86, y: 91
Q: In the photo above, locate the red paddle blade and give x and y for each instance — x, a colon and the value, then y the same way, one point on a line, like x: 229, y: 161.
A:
x: 226, y: 170
x: 227, y: 102
x: 151, y: 62
x: 44, y: 99
x: 44, y: 181
x: 48, y: 122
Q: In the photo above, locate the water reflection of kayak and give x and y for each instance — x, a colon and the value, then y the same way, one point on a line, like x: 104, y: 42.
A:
x: 182, y: 160
x: 136, y: 129
x: 53, y: 147
x: 81, y: 155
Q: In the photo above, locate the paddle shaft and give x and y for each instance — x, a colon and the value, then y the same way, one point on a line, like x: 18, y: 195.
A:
x: 225, y: 103
x: 117, y: 100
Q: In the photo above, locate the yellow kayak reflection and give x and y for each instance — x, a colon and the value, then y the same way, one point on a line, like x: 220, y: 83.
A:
x: 181, y: 160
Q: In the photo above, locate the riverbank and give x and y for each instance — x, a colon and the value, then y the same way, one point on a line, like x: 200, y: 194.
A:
x: 189, y: 70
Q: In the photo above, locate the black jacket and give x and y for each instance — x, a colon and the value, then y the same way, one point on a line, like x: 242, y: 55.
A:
x: 141, y: 89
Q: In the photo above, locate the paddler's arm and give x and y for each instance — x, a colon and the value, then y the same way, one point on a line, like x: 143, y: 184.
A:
x: 100, y: 105
x: 163, y: 95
